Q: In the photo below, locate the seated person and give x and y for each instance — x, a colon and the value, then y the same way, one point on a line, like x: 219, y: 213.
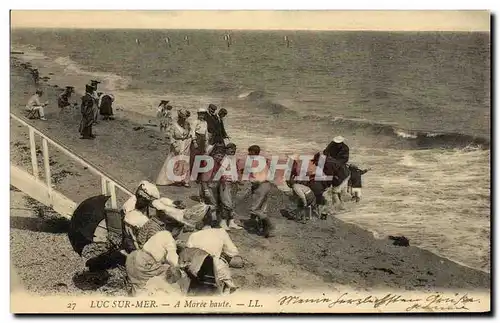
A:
x: 34, y: 104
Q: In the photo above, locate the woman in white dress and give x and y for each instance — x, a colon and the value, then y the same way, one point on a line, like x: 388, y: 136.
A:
x: 181, y: 139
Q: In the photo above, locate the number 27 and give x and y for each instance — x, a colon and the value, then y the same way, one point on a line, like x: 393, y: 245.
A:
x: 71, y: 306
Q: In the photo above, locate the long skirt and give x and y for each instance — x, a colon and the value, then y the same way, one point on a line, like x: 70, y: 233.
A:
x: 180, y: 168
x: 106, y: 108
x: 85, y: 128
x: 146, y: 275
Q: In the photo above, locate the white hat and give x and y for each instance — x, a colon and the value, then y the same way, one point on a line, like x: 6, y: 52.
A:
x: 148, y: 190
x: 202, y: 110
x: 338, y: 139
x: 135, y: 218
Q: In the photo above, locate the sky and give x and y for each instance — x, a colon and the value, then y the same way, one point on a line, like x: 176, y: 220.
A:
x: 257, y: 20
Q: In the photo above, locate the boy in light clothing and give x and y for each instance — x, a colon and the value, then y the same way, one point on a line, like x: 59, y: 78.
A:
x: 355, y: 181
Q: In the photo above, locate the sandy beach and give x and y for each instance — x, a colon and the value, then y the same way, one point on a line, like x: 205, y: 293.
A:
x: 321, y: 254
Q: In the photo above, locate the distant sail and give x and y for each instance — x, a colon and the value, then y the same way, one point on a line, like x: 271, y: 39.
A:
x: 186, y: 39
x: 137, y: 41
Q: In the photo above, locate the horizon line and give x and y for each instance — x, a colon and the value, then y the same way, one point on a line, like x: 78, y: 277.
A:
x: 246, y: 29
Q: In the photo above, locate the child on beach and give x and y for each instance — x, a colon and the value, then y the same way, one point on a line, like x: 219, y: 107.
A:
x: 355, y: 181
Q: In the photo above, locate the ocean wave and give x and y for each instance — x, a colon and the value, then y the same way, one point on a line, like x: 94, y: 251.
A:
x: 110, y: 81
x: 418, y: 139
x: 255, y: 95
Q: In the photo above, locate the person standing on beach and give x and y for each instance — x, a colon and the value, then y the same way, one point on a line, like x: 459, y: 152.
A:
x: 95, y: 97
x: 63, y: 99
x: 217, y: 189
x: 164, y: 115
x: 87, y: 110
x: 260, y: 189
x: 106, y: 106
x: 180, y: 146
x: 213, y: 124
x: 35, y: 105
x: 200, y: 133
x: 221, y: 135
x: 339, y: 152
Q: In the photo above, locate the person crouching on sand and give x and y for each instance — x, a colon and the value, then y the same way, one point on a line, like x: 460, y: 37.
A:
x: 35, y: 105
x: 180, y: 146
x: 304, y: 200
x: 218, y: 244
x: 87, y: 110
x: 355, y: 181
x: 63, y: 98
x: 157, y: 255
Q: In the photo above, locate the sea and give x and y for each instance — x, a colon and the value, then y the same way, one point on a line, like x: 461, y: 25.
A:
x: 413, y: 106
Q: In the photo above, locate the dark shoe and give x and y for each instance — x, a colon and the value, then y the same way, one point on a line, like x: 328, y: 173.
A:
x: 267, y: 228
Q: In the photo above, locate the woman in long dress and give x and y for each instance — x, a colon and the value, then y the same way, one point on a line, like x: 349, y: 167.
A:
x: 181, y: 139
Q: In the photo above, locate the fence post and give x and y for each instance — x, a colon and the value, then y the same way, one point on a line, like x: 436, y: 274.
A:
x: 34, y: 159
x: 112, y: 192
x: 104, y: 184
x: 46, y: 165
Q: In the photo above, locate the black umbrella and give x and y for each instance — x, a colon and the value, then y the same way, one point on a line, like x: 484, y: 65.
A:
x: 85, y: 220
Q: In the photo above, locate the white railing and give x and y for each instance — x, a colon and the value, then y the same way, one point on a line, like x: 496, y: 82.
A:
x: 108, y: 185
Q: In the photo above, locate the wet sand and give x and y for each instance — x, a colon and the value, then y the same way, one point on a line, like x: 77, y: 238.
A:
x: 322, y: 254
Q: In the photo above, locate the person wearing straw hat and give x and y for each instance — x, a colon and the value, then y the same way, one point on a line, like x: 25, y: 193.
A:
x: 158, y: 256
x: 180, y: 146
x: 338, y: 150
x: 136, y: 212
x: 337, y: 153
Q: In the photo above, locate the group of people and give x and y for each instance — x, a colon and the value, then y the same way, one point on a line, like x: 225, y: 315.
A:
x: 207, y: 136
x: 93, y: 103
x: 158, y: 260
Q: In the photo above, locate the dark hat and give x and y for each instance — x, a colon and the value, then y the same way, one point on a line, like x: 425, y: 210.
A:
x: 70, y: 87
x: 163, y: 102
x: 230, y: 146
x: 94, y: 82
x: 223, y: 111
x: 89, y: 88
x: 212, y: 107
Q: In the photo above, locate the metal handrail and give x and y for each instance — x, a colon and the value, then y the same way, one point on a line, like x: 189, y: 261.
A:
x: 108, y: 184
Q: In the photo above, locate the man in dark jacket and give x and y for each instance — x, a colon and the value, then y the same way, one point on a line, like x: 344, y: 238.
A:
x: 338, y: 150
x: 222, y: 134
x: 212, y: 122
x: 87, y: 109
